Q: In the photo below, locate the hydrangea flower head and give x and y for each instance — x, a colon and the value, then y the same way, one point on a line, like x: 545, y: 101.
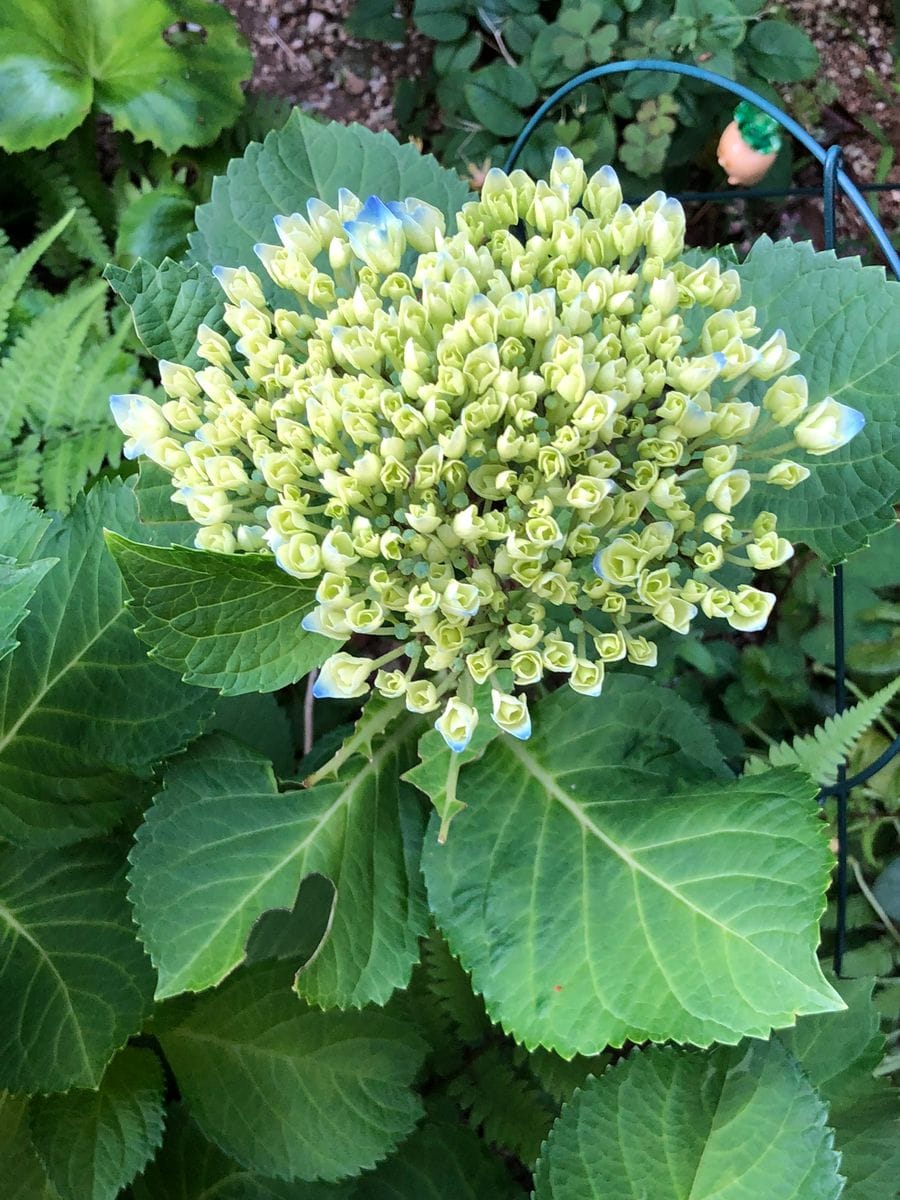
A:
x: 500, y: 454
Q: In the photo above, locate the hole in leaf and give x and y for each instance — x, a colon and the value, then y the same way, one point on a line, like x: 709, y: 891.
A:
x: 185, y: 33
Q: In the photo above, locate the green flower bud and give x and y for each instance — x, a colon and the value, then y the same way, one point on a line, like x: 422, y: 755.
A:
x: 728, y: 489
x: 480, y: 665
x: 611, y: 647
x: 391, y: 685
x: 587, y: 677
x: 769, y: 551
x: 527, y: 667
x: 421, y: 696
x: 457, y: 723
x: 787, y: 474
x: 510, y: 713
x: 751, y: 609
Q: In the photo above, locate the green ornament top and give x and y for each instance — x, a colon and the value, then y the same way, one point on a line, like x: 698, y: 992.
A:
x: 760, y: 131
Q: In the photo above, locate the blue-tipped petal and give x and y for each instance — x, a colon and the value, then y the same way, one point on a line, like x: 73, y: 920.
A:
x: 321, y: 690
x: 522, y: 731
x: 852, y: 422
x: 595, y: 563
x: 720, y: 359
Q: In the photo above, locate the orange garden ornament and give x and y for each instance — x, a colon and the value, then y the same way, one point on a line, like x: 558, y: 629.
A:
x: 748, y: 145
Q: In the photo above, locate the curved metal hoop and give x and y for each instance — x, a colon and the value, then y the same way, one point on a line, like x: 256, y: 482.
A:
x: 847, y: 186
x: 833, y: 179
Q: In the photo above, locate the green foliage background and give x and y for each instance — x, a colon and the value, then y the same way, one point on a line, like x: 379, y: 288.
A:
x: 215, y: 980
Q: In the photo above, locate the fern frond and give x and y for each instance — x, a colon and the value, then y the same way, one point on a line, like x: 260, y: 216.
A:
x: 511, y: 1111
x: 452, y: 993
x: 559, y: 1077
x: 821, y: 752
x: 69, y: 459
x: 36, y: 375
x: 20, y: 467
x: 16, y: 269
x: 55, y: 192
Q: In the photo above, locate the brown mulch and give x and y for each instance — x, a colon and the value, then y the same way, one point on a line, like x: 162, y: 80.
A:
x: 303, y: 53
x: 855, y: 43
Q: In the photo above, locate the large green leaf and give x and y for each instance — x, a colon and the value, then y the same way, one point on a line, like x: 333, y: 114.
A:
x: 82, y: 709
x: 289, y: 1090
x: 20, y: 1168
x: 21, y: 529
x: 190, y: 1168
x: 168, y: 303
x: 226, y: 621
x: 595, y: 898
x: 733, y: 1124
x: 843, y: 320
x: 306, y: 158
x: 838, y: 1052
x: 75, y: 983
x: 128, y: 59
x: 94, y: 1142
x: 221, y: 846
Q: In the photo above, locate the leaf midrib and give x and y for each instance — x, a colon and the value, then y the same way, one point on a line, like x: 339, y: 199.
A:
x: 20, y: 930
x: 549, y: 783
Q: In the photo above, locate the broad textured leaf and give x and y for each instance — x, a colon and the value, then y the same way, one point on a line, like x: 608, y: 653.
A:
x: 162, y: 522
x: 83, y: 710
x: 838, y: 1052
x: 92, y: 1143
x: 127, y: 58
x: 843, y: 320
x: 21, y: 529
x: 306, y: 158
x: 289, y: 1090
x: 188, y: 1167
x: 221, y: 846
x: 226, y: 621
x: 168, y: 303
x: 684, y: 913
x: 20, y: 1168
x: 75, y: 983
x: 439, y: 1162
x: 734, y: 1124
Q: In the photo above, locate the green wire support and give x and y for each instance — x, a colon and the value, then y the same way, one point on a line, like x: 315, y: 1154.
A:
x: 834, y: 181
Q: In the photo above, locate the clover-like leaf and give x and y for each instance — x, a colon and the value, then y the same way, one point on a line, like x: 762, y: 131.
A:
x: 128, y: 58
x: 289, y: 1090
x: 594, y: 899
x: 734, y: 1124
